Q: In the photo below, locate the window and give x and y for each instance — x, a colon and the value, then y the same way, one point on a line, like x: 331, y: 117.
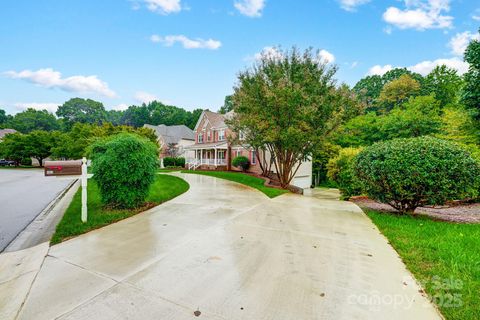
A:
x: 221, y: 135
x: 254, y: 157
x: 209, y: 136
x: 200, y: 137
x: 241, y: 135
x: 221, y: 154
x: 238, y: 153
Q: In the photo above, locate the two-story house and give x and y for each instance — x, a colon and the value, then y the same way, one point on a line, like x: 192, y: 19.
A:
x: 213, y: 151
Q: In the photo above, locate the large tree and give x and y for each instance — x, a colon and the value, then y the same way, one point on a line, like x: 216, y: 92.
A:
x: 471, y: 90
x: 83, y: 111
x: 398, y: 91
x: 32, y: 119
x: 39, y: 144
x: 14, y: 147
x: 3, y: 117
x: 292, y: 102
x: 445, y: 83
x: 227, y: 105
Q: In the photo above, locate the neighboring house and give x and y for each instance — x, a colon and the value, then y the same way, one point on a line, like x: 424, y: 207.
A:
x: 213, y: 151
x: 4, y: 132
x: 174, y: 137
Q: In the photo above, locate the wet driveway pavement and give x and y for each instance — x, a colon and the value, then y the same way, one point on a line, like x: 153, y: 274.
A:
x: 225, y: 251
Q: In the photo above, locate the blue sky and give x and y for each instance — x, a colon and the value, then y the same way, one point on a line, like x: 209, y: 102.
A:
x: 188, y: 52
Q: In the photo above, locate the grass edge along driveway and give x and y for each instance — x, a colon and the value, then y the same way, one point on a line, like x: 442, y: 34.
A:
x: 444, y: 257
x: 245, y: 179
x: 164, y: 188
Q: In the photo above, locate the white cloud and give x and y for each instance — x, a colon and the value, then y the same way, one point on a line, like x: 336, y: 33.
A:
x: 145, y: 97
x: 269, y: 52
x: 351, y: 5
x: 425, y: 67
x: 354, y: 64
x: 187, y: 43
x: 460, y: 41
x: 379, y: 70
x: 120, y: 107
x: 50, y: 78
x: 420, y: 15
x: 50, y: 106
x: 163, y: 6
x: 325, y: 56
x: 250, y: 8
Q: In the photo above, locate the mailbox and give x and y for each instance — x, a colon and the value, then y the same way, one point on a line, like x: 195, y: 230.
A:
x: 63, y: 168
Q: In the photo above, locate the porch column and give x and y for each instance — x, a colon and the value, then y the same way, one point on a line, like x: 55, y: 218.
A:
x: 215, y: 150
x: 201, y: 156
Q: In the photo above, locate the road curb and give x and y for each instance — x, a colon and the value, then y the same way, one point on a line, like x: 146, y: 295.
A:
x: 43, y: 226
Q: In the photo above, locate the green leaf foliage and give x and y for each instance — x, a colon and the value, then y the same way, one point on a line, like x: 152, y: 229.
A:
x: 241, y: 162
x: 407, y: 173
x: 341, y: 171
x: 174, y: 162
x: 471, y: 90
x: 124, y: 167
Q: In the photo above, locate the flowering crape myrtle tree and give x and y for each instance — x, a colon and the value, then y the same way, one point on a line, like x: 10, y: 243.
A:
x: 288, y: 102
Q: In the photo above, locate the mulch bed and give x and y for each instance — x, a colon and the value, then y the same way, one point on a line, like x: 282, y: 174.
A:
x: 457, y: 212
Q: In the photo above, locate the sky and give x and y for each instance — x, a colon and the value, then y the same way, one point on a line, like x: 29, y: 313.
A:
x: 188, y: 52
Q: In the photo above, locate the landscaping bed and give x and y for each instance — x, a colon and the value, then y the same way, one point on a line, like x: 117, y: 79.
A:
x: 444, y: 258
x: 246, y: 179
x: 459, y: 212
x: 164, y: 188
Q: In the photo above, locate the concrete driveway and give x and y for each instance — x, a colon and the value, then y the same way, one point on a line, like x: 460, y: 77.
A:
x: 24, y: 193
x: 225, y: 251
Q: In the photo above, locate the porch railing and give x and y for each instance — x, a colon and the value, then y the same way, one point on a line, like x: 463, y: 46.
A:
x: 195, y: 163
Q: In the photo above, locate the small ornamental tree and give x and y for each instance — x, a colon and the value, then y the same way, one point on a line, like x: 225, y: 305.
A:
x: 241, y: 162
x: 408, y: 173
x: 124, y: 167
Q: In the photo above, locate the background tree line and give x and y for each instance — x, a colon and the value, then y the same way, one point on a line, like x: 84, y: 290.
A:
x: 77, y: 124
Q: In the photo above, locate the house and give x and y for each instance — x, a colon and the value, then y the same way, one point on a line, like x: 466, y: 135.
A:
x: 4, y: 132
x: 173, y: 140
x: 213, y: 151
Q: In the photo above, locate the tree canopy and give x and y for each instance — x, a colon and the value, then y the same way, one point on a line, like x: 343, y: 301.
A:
x: 32, y: 119
x: 292, y: 103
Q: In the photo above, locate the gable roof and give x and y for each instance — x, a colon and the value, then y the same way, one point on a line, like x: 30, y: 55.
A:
x: 172, y: 134
x: 216, y: 120
x: 4, y: 132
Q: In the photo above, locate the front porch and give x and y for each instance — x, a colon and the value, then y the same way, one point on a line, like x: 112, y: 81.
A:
x: 208, y: 159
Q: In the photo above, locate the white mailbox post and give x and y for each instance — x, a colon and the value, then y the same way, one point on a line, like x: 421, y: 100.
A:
x: 84, y: 190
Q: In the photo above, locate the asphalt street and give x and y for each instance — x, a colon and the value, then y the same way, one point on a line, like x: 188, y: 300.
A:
x: 24, y: 193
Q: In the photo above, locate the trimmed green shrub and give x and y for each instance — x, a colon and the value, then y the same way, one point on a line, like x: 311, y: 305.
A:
x: 124, y: 167
x: 241, y: 162
x: 407, y: 173
x: 173, y: 162
x: 340, y: 170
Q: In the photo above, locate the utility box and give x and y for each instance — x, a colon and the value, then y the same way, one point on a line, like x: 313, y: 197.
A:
x: 63, y: 168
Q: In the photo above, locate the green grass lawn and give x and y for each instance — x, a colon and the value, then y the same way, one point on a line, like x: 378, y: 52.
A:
x: 163, y: 189
x: 444, y: 257
x: 242, y: 178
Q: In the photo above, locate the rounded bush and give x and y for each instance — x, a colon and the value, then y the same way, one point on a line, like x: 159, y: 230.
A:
x: 124, y: 167
x: 340, y: 170
x: 241, y: 162
x: 407, y: 173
